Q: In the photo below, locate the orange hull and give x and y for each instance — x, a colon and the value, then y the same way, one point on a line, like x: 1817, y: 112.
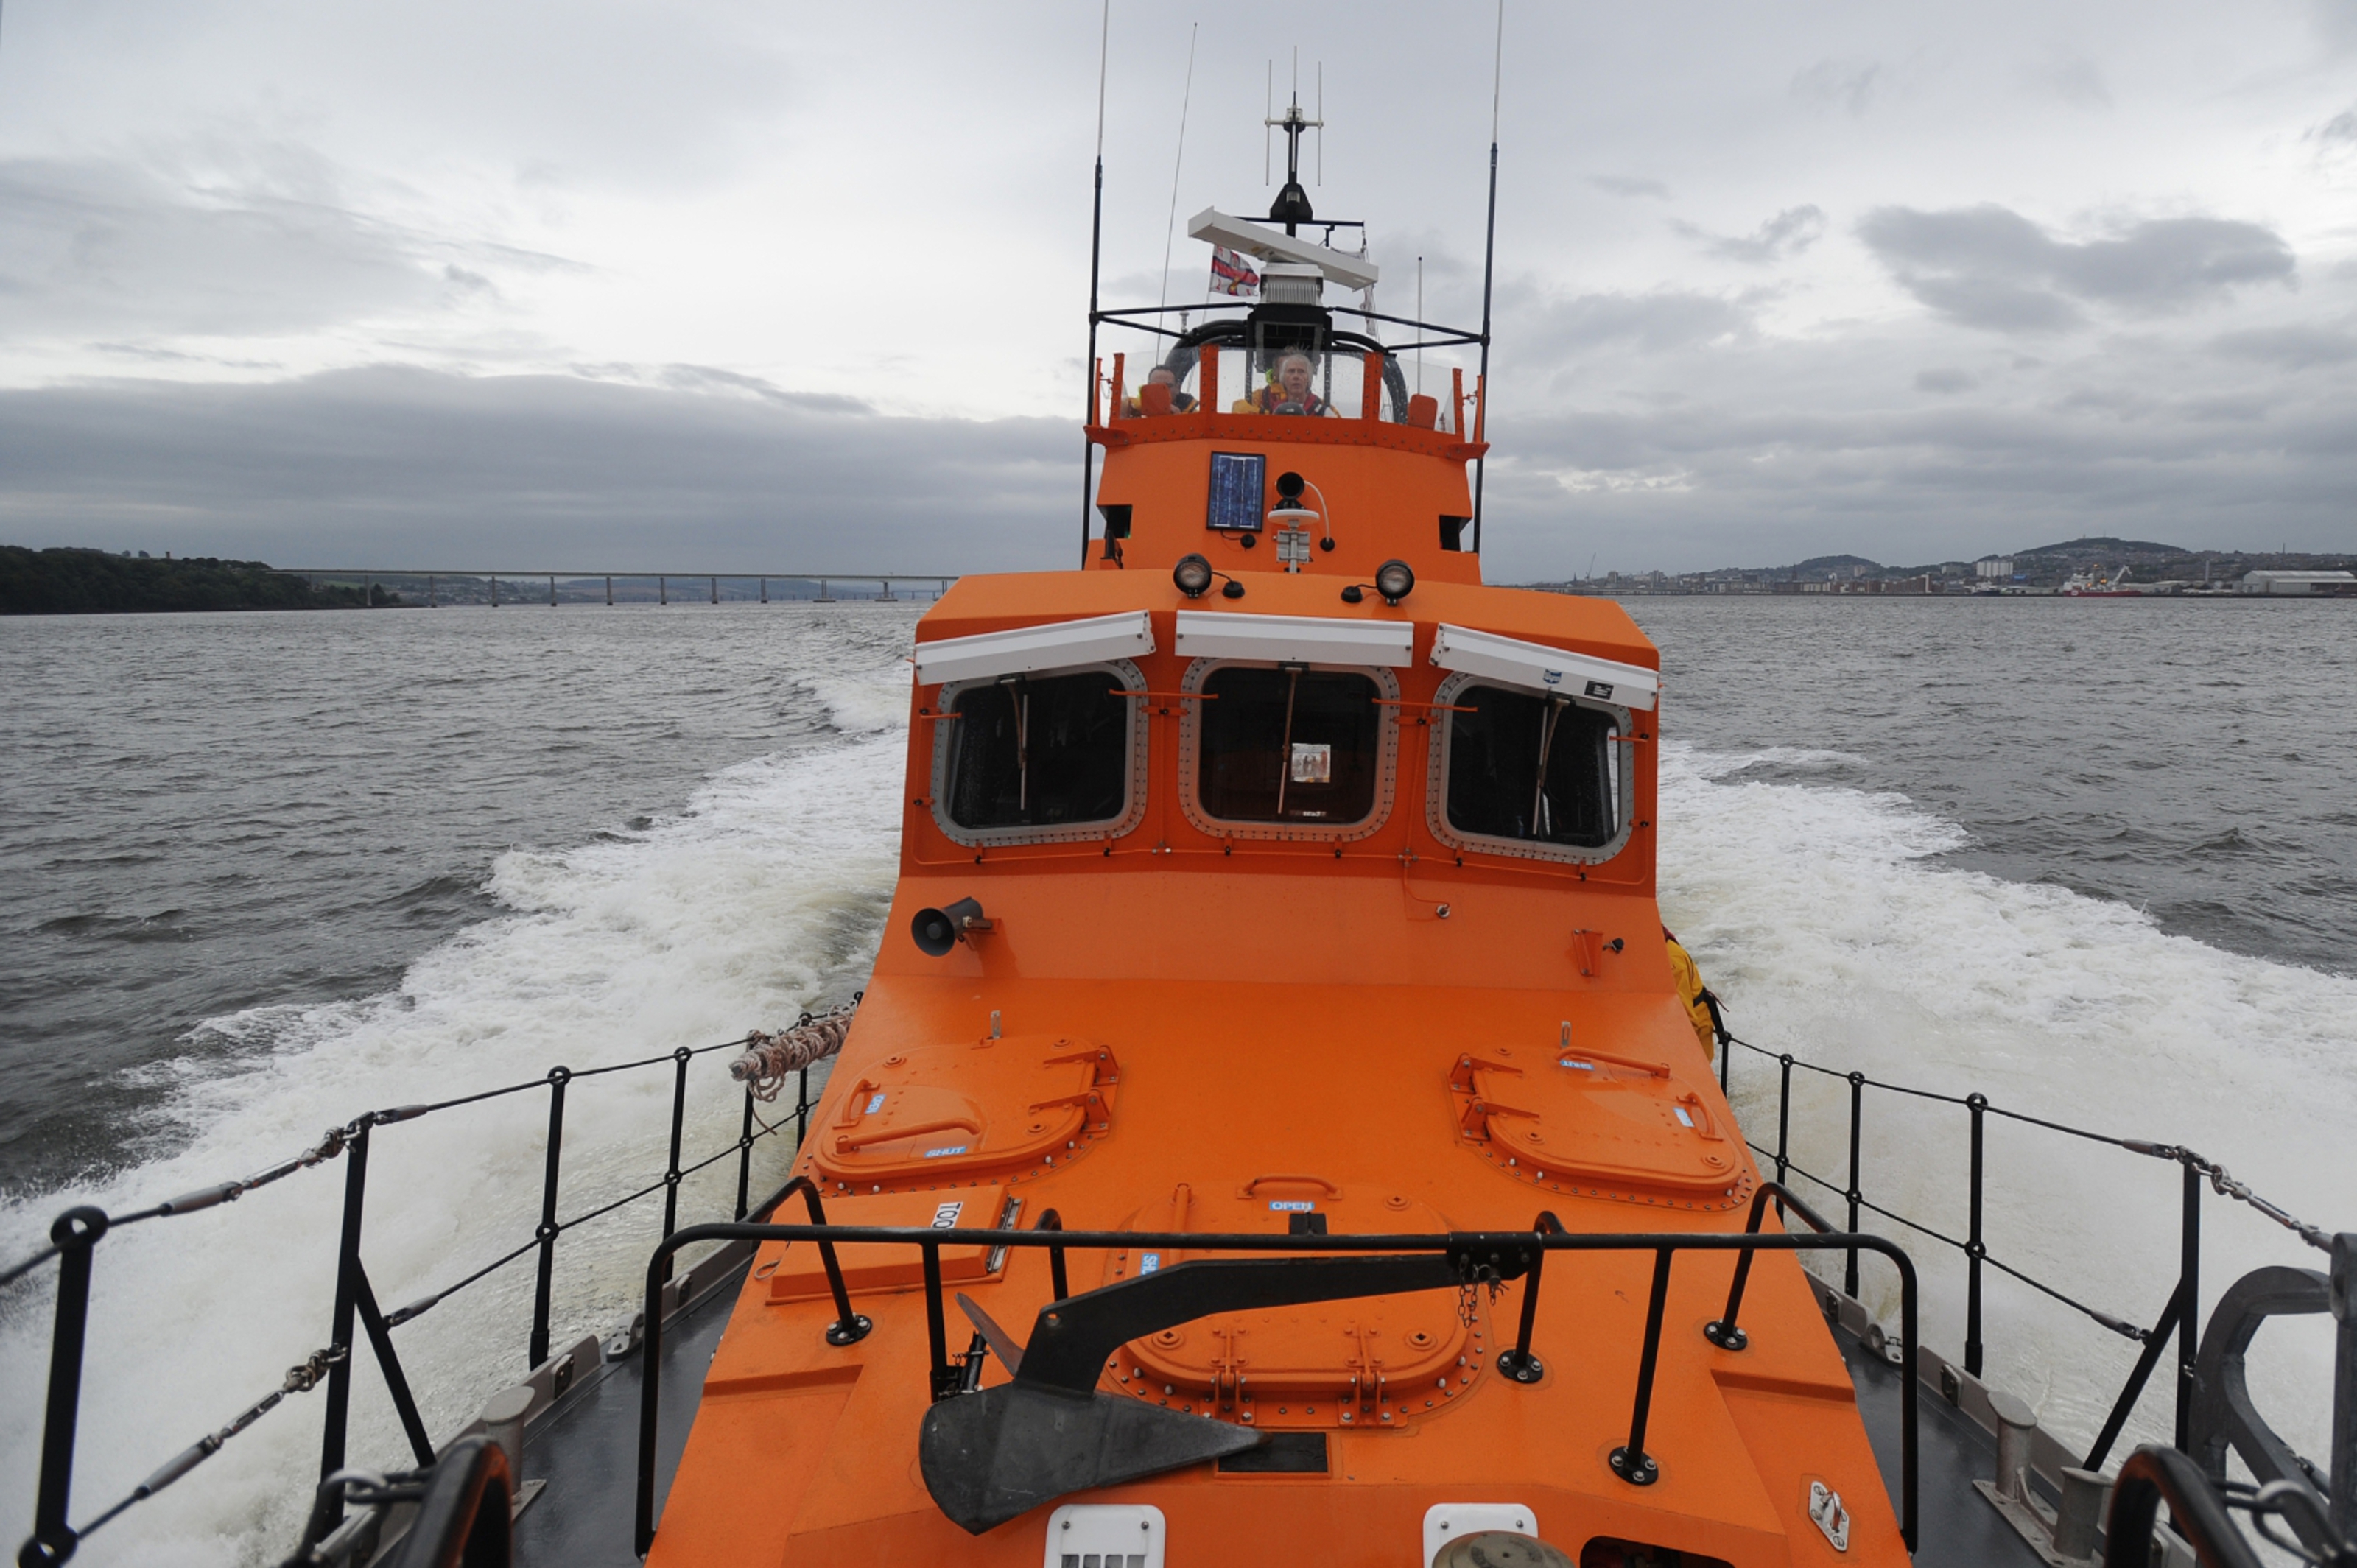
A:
x: 1180, y: 1026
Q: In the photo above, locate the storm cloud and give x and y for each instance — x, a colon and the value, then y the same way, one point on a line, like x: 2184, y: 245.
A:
x: 1909, y: 282
x: 689, y: 469
x: 1788, y: 233
x: 1990, y: 267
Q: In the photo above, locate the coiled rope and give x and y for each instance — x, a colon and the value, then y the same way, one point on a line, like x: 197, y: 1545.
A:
x: 768, y: 1058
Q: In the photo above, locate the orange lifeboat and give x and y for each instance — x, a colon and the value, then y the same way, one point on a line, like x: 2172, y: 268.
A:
x: 1276, y: 926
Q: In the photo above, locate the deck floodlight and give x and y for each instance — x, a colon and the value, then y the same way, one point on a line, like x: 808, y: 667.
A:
x: 1193, y: 576
x: 935, y: 931
x: 1395, y: 580
x: 1289, y: 486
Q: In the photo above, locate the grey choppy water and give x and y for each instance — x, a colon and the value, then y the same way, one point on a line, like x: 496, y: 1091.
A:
x: 207, y: 813
x: 2194, y: 758
x: 258, y: 872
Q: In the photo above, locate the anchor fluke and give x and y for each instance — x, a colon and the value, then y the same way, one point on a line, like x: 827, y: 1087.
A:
x: 991, y: 1456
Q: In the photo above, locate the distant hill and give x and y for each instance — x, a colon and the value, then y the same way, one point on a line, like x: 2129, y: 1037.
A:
x: 2107, y: 548
x: 93, y: 582
x: 1821, y: 567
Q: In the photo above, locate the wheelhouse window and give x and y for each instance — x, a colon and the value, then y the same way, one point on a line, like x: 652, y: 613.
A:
x: 1540, y: 768
x: 1028, y: 752
x: 1291, y: 744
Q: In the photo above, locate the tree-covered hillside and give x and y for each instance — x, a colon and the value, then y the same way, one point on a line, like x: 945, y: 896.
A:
x: 93, y: 582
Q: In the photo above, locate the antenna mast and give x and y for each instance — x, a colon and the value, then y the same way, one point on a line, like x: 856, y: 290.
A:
x: 1170, y: 228
x: 1292, y: 206
x: 1096, y: 253
x: 1488, y: 260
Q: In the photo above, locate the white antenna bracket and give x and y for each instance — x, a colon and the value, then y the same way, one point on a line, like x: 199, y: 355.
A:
x: 1275, y: 245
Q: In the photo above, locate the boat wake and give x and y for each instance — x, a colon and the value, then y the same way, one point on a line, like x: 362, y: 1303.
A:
x: 763, y: 897
x: 1822, y: 914
x: 1825, y: 919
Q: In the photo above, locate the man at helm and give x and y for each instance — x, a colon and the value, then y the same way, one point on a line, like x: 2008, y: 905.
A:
x: 1289, y: 389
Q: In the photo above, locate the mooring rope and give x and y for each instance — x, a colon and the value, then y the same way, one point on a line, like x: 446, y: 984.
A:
x: 768, y: 1058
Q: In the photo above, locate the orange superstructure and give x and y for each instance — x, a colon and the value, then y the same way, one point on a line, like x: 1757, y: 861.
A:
x: 1273, y: 908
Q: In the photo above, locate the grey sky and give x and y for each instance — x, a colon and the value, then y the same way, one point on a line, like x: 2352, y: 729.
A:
x: 800, y: 287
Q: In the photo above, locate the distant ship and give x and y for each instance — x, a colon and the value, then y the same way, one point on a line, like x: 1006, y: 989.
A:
x: 2092, y: 584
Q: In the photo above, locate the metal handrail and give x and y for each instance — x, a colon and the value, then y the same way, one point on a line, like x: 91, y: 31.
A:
x: 946, y: 1379
x: 76, y: 1234
x: 2176, y: 1319
x: 2154, y: 1475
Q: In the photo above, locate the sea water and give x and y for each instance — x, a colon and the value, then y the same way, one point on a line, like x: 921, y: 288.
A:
x: 2094, y: 859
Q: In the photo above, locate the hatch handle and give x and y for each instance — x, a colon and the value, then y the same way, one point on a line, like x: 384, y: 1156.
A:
x: 1327, y: 1188
x: 847, y: 1142
x: 1606, y: 1058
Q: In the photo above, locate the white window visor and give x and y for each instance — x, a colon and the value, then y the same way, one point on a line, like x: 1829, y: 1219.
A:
x: 1313, y: 640
x: 1129, y: 635
x: 1548, y: 669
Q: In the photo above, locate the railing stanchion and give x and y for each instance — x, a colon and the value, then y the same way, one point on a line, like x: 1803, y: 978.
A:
x: 848, y: 1328
x: 1724, y: 1332
x: 1857, y: 1106
x: 1632, y: 1463
x: 2155, y: 1342
x: 1975, y: 1248
x: 745, y: 1159
x: 944, y: 1378
x: 2189, y: 1321
x: 1910, y: 1387
x: 1051, y: 1221
x: 1783, y: 1114
x: 339, y: 1406
x: 557, y: 1078
x: 1518, y: 1363
x: 802, y: 1106
x: 678, y: 1116
x: 75, y: 1234
x: 396, y: 1382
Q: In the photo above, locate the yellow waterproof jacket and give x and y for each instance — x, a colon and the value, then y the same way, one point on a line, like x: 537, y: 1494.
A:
x: 1691, y: 992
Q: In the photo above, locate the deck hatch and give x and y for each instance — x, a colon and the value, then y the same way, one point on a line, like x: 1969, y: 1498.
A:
x: 1597, y: 1126
x: 1364, y: 1361
x: 964, y: 1110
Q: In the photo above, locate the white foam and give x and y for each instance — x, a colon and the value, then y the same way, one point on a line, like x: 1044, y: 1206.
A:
x: 1819, y: 913
x: 763, y: 896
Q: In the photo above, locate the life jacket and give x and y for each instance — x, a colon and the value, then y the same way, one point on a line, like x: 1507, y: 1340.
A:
x: 1272, y: 398
x: 1696, y: 996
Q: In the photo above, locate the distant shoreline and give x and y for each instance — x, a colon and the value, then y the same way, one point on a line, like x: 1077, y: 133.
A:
x: 96, y: 582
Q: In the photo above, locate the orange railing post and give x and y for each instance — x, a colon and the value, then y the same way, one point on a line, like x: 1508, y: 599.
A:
x: 1457, y: 424
x: 1210, y: 400
x: 1119, y: 362
x: 1370, y: 395
x: 1096, y: 389
x: 1480, y: 405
